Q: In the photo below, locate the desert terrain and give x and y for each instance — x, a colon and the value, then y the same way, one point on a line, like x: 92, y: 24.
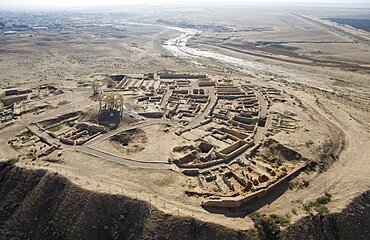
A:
x: 223, y: 114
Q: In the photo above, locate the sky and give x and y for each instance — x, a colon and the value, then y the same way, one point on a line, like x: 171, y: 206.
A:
x: 77, y: 3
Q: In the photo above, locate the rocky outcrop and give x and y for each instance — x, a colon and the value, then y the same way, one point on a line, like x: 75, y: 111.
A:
x: 35, y: 204
x: 352, y: 223
x: 40, y: 205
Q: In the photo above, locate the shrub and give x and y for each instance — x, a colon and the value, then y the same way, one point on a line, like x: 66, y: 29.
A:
x: 270, y: 225
x: 309, y: 143
x: 318, y: 205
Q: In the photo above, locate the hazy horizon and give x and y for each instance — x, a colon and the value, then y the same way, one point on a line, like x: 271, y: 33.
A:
x: 44, y: 4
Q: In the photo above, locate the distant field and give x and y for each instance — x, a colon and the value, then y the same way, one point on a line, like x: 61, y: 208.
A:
x: 363, y: 24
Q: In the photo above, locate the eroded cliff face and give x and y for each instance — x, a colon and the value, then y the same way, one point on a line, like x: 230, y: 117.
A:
x: 352, y: 223
x: 35, y: 204
x: 40, y: 205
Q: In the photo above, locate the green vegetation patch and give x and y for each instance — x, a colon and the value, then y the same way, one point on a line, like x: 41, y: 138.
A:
x: 270, y: 225
x: 318, y: 205
x: 309, y: 143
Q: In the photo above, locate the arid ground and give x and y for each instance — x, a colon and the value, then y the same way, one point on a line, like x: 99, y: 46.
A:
x: 321, y: 66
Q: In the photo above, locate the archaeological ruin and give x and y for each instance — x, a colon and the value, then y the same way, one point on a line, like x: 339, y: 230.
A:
x: 211, y: 129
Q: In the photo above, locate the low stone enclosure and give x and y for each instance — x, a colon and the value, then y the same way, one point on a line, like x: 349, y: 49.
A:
x: 221, y: 133
x: 52, y: 133
x: 220, y: 121
x: 16, y: 102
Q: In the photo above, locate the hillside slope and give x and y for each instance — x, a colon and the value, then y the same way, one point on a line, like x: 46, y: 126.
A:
x: 35, y: 204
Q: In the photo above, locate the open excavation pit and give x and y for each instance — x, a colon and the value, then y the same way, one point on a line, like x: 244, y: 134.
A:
x: 131, y: 141
x: 152, y: 143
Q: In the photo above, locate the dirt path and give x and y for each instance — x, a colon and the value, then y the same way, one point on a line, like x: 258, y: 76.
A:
x: 263, y: 113
x: 198, y: 119
x: 349, y: 176
x: 302, y: 60
x: 125, y: 161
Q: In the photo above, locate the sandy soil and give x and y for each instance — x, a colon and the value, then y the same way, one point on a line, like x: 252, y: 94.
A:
x: 72, y: 59
x: 157, y: 146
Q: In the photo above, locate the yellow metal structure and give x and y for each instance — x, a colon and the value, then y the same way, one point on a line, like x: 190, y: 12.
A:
x: 110, y: 101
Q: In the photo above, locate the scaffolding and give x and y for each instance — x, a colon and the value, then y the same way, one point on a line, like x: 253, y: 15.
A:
x: 110, y: 104
x: 110, y: 101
